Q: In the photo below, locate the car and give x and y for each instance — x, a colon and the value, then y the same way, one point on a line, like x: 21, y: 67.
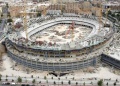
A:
x: 5, y: 83
x: 13, y: 84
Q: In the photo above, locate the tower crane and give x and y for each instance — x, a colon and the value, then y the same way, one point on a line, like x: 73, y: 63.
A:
x: 106, y: 16
x: 71, y: 28
x: 100, y: 16
x: 25, y: 19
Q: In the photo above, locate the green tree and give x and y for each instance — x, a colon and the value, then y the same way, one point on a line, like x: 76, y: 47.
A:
x: 100, y: 83
x: 114, y: 84
x: 54, y: 82
x: 63, y: 9
x: 45, y: 77
x: 107, y: 84
x: 91, y: 83
x: 7, y: 5
x: 62, y: 82
x: 113, y: 15
x: 76, y: 83
x: 33, y: 81
x: 0, y: 20
x: 47, y: 81
x: 69, y: 82
x: 0, y: 77
x: 9, y: 20
x: 58, y: 78
x: 1, y: 15
x: 12, y: 80
x: 6, y: 79
x: 31, y: 76
x: 8, y: 14
x: 109, y: 12
x: 6, y: 76
x: 52, y: 78
x: 19, y: 79
x: 84, y: 84
x: 38, y: 14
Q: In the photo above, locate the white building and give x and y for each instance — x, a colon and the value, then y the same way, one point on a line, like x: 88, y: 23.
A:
x: 63, y: 1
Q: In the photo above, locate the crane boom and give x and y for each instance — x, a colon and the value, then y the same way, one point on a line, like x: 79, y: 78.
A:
x: 107, y: 15
x: 100, y: 17
x: 71, y: 28
x: 25, y: 19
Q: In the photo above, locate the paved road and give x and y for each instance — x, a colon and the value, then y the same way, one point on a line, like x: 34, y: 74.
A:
x: 50, y: 82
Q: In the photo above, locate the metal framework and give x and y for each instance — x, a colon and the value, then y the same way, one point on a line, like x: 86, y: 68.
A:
x: 25, y: 19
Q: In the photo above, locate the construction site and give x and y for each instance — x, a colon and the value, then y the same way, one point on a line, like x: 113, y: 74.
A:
x: 68, y: 36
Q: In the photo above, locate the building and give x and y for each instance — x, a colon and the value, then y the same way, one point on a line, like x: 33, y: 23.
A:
x: 113, y: 5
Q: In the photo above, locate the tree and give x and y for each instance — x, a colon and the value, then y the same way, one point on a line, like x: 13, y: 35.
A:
x: 91, y: 83
x: 113, y: 15
x: 69, y: 82
x: 6, y: 76
x: 73, y: 78
x: 7, y: 5
x: 8, y: 14
x: 31, y: 76
x: 0, y: 20
x: 114, y: 84
x: 107, y: 84
x: 109, y: 12
x: 54, y: 82
x: 100, y: 83
x: 66, y: 77
x: 33, y: 81
x: 58, y: 78
x: 12, y: 80
x: 84, y: 84
x: 76, y: 83
x: 45, y: 77
x: 19, y: 79
x: 52, y: 78
x: 62, y: 82
x: 0, y: 77
x: 1, y: 15
x: 62, y: 11
x: 6, y: 79
x: 47, y: 81
x: 116, y: 80
x: 9, y: 20
x: 38, y: 14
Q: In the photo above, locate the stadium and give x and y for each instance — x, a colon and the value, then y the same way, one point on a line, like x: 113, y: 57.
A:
x: 60, y: 43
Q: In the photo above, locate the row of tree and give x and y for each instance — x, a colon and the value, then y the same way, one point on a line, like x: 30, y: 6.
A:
x: 100, y: 82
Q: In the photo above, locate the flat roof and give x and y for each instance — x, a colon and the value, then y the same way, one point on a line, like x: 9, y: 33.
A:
x: 115, y: 53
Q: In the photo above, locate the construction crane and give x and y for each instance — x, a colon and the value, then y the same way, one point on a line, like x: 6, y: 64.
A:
x: 61, y: 5
x: 106, y: 16
x: 71, y: 28
x: 44, y: 9
x: 100, y: 16
x: 44, y: 12
x: 25, y: 19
